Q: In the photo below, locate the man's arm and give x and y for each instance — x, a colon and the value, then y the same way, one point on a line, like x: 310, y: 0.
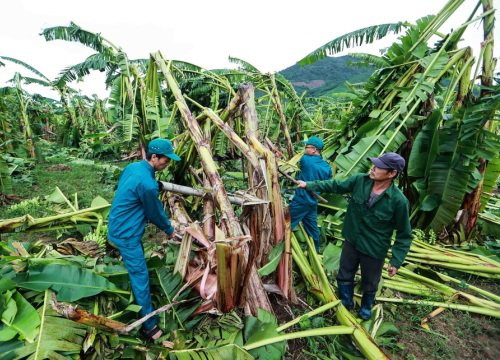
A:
x: 330, y: 186
x: 153, y: 209
x: 404, y: 236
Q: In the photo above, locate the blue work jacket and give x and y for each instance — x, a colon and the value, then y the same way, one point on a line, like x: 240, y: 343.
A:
x: 136, y: 201
x: 312, y: 167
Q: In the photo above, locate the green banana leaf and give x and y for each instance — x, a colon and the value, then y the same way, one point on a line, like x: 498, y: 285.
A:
x: 226, y: 352
x: 259, y: 328
x: 70, y: 282
x: 274, y: 259
x: 171, y: 285
x: 425, y: 147
x: 56, y: 335
x: 356, y: 161
x: 19, y: 317
x: 459, y: 148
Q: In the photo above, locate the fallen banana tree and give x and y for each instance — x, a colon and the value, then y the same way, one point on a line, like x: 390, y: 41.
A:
x: 467, y: 262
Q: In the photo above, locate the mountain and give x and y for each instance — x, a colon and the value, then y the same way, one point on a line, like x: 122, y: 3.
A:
x: 327, y: 75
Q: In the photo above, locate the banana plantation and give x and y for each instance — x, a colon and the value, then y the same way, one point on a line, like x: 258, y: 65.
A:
x: 236, y: 282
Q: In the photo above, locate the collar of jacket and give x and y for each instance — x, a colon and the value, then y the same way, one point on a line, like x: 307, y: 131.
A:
x: 389, y: 191
x: 147, y: 166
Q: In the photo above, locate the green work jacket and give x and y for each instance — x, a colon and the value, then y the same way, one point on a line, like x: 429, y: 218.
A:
x: 370, y: 229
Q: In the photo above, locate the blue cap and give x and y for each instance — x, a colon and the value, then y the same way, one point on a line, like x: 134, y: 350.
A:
x: 316, y: 142
x: 389, y: 160
x: 162, y: 147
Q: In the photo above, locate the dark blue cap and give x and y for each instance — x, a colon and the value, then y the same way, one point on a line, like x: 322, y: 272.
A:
x: 389, y: 160
x: 163, y: 147
x: 316, y: 142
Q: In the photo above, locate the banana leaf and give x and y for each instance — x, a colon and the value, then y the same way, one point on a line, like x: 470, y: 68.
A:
x: 356, y: 161
x: 425, y: 147
x: 231, y: 351
x: 19, y: 317
x: 70, y: 282
x: 55, y: 336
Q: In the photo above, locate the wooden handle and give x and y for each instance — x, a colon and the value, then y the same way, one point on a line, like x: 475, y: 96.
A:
x: 320, y: 198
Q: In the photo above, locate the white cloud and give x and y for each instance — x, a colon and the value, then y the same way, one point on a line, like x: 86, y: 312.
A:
x: 271, y: 35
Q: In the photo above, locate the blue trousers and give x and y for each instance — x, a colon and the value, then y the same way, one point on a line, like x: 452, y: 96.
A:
x: 308, y: 214
x: 133, y: 258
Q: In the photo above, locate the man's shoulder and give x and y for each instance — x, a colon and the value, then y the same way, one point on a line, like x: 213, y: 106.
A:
x: 398, y: 195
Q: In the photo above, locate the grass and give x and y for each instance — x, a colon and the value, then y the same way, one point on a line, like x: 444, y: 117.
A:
x: 87, y: 181
x: 32, y: 183
x: 452, y: 334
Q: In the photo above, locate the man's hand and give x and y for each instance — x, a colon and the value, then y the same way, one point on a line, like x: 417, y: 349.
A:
x: 171, y: 236
x: 391, y: 270
x: 160, y: 185
x: 301, y: 184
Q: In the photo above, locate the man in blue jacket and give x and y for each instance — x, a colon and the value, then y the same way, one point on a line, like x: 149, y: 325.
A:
x: 304, y: 206
x: 136, y: 202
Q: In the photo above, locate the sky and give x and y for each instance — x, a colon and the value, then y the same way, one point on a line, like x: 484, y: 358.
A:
x: 269, y: 34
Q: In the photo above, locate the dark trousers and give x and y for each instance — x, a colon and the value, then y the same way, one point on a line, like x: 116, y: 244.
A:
x: 371, y: 269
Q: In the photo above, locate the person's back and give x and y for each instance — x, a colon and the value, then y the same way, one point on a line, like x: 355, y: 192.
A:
x: 127, y: 217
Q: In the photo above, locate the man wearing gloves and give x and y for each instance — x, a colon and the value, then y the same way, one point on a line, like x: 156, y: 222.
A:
x: 376, y: 208
x: 304, y: 206
x: 136, y: 202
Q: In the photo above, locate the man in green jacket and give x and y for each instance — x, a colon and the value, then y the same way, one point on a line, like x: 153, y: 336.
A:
x: 376, y: 208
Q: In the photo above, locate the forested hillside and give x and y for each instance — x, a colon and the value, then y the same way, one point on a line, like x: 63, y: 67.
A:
x: 327, y: 75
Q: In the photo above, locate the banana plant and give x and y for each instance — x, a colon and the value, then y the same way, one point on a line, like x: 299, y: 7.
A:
x: 396, y: 106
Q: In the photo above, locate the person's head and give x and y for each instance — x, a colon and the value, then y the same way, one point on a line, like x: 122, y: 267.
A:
x: 313, y: 146
x: 159, y: 153
x: 387, y: 166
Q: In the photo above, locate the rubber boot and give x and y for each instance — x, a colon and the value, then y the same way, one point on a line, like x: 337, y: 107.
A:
x: 367, y: 302
x: 346, y: 293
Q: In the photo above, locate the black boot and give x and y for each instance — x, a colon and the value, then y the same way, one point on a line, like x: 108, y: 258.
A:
x: 367, y: 302
x: 346, y: 293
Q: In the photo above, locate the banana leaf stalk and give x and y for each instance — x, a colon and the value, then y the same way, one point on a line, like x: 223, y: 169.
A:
x: 29, y: 223
x: 445, y: 277
x: 275, y: 98
x: 285, y: 277
x: 474, y: 309
x: 425, y: 286
x: 308, y: 315
x: 225, y: 295
x: 326, y: 331
x: 414, y: 290
x: 208, y: 213
x: 182, y: 262
x: 422, y: 246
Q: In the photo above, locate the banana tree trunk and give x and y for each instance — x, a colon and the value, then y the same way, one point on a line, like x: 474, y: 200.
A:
x: 254, y: 294
x: 249, y: 114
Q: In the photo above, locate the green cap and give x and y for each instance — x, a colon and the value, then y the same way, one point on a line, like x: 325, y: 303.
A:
x: 162, y: 147
x: 316, y: 142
